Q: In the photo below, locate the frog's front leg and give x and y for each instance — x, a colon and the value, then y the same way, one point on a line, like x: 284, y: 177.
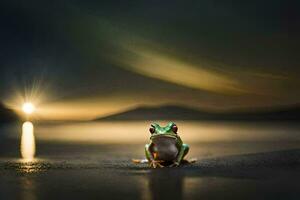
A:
x: 148, y: 153
x: 153, y: 163
x: 182, y: 153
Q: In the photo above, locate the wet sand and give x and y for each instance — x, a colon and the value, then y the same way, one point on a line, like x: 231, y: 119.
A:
x: 70, y: 171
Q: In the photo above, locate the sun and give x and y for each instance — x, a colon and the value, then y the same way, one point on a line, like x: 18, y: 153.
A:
x: 28, y: 108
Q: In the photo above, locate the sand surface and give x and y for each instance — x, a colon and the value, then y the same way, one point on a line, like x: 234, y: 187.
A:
x: 69, y: 171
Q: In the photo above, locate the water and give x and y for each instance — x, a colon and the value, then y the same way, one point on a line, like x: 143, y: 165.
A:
x: 92, y: 161
x: 207, y: 139
x: 190, y: 131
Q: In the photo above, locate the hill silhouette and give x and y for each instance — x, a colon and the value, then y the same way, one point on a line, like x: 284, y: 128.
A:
x: 185, y: 113
x: 7, y: 115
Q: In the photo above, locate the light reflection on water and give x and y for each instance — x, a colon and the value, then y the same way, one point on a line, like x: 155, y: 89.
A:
x: 27, y: 141
x: 28, y: 188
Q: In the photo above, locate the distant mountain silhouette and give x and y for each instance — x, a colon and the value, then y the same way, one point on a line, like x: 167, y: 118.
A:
x: 7, y: 115
x: 184, y: 113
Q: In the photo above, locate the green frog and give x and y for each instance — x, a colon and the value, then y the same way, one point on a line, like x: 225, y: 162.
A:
x: 166, y: 147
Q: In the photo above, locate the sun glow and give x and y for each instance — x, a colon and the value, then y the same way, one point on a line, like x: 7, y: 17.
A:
x: 28, y: 108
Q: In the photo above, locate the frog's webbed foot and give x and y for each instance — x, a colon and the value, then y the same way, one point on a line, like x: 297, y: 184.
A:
x: 156, y: 164
x: 192, y: 160
x: 174, y: 164
x: 138, y: 161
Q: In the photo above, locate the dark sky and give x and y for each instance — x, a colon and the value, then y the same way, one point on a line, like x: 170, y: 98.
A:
x: 80, y: 59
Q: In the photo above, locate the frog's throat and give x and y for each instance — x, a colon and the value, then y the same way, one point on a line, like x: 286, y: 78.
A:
x: 163, y: 135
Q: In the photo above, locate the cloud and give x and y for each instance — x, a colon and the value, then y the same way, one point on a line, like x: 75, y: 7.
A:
x: 170, y: 69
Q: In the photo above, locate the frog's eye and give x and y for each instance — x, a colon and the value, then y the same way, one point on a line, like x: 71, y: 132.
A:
x: 152, y: 130
x: 174, y: 128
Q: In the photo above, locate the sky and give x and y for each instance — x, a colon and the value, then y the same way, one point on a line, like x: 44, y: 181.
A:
x: 84, y: 59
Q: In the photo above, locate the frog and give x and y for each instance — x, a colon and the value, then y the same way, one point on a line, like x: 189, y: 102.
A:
x: 165, y: 147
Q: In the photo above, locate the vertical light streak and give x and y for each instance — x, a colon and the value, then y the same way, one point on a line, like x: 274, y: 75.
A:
x: 27, y: 141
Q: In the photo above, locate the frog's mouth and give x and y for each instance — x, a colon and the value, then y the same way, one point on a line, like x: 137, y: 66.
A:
x: 163, y: 136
